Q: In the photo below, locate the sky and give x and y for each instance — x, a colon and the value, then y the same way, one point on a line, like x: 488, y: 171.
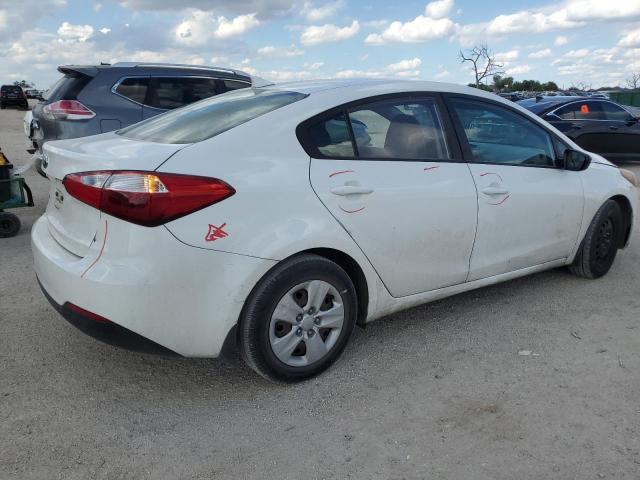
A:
x: 572, y: 42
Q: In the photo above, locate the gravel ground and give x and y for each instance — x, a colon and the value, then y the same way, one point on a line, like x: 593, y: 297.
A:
x: 439, y: 391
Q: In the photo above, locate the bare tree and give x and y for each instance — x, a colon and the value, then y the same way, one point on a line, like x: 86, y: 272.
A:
x: 634, y: 81
x: 483, y: 61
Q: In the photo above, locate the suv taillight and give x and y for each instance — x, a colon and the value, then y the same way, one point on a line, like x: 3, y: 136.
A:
x: 146, y: 198
x: 68, y: 110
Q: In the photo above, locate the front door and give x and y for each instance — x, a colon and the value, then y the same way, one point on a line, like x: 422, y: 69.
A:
x: 529, y: 210
x: 387, y: 174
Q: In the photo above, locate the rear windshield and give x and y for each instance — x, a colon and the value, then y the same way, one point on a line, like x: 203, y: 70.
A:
x: 66, y: 88
x: 11, y: 89
x: 210, y: 117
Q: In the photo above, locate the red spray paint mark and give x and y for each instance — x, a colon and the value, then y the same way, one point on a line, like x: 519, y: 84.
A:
x: 340, y: 172
x: 491, y: 173
x: 215, y: 233
x: 431, y: 168
x: 104, y: 242
x: 352, y: 211
x: 501, y: 201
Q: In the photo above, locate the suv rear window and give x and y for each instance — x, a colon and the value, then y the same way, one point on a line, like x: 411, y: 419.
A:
x: 173, y: 92
x: 66, y: 88
x: 208, y: 118
x: 11, y: 89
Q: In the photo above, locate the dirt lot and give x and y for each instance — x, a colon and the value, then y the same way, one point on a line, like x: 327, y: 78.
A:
x: 439, y: 391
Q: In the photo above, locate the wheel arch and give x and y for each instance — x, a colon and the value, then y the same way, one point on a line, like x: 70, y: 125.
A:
x: 355, y: 272
x: 627, y: 215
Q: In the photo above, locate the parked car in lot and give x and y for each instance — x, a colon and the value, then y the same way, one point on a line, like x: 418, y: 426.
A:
x: 88, y: 100
x: 13, y: 96
x: 33, y: 93
x: 597, y: 125
x: 262, y: 218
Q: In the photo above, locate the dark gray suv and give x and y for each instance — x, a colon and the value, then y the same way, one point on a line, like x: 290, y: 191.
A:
x: 94, y: 99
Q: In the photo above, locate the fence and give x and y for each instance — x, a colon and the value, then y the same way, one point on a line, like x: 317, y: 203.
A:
x: 631, y: 98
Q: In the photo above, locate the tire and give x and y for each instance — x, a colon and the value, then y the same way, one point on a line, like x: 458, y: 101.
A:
x: 294, y: 287
x: 9, y: 225
x: 601, y: 242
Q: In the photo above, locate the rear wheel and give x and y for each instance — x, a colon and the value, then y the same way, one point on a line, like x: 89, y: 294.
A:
x: 298, y: 319
x: 600, y: 244
x: 38, y: 165
x: 9, y: 225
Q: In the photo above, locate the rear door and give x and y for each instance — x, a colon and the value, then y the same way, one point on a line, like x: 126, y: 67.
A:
x: 529, y: 209
x: 388, y: 173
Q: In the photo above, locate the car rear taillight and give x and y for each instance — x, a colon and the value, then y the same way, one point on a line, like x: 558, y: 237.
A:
x: 146, y: 198
x: 68, y: 110
x: 3, y: 94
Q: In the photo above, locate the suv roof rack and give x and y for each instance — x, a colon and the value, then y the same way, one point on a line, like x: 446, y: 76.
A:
x: 180, y: 65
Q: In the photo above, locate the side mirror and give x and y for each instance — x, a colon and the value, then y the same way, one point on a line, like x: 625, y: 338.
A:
x: 576, y: 161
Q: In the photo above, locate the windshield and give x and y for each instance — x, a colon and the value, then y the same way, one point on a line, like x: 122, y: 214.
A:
x: 210, y: 117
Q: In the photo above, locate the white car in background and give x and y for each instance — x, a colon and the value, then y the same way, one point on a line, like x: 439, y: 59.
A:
x: 277, y: 218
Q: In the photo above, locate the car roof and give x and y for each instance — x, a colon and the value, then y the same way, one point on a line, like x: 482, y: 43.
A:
x: 369, y: 86
x: 93, y: 70
x: 539, y: 104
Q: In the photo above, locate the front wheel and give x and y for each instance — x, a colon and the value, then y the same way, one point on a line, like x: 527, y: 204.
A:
x: 600, y: 244
x: 298, y: 319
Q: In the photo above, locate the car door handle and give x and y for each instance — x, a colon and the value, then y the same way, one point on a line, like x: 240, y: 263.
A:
x: 346, y: 190
x: 495, y: 191
x: 613, y: 128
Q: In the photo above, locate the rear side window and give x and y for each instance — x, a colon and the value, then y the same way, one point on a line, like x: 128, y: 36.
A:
x: 206, y: 119
x: 173, y: 92
x: 581, y: 111
x: 398, y: 129
x: 228, y: 85
x: 134, y: 88
x: 332, y: 138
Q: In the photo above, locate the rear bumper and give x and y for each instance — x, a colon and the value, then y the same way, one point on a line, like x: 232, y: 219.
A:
x: 148, y: 284
x: 110, y: 333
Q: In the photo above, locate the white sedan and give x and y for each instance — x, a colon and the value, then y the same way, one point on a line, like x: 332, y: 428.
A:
x: 275, y: 219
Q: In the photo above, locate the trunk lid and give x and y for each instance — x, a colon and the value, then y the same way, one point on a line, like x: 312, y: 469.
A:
x: 71, y: 222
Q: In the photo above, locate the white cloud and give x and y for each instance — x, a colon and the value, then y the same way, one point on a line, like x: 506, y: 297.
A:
x: 420, y: 29
x: 280, y: 52
x: 104, y: 30
x: 441, y: 75
x: 402, y: 69
x: 545, y: 52
x: 80, y: 33
x: 236, y: 26
x: 631, y: 39
x: 569, y: 14
x: 581, y: 53
x: 405, y: 65
x: 316, y: 14
x: 439, y: 8
x: 519, y: 70
x: 201, y: 27
x: 560, y: 40
x: 509, y: 56
x: 314, y: 66
x: 317, y: 34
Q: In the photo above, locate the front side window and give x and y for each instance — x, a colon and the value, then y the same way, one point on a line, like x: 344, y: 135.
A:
x: 615, y: 113
x: 134, y: 88
x: 581, y: 111
x: 497, y: 135
x: 206, y: 119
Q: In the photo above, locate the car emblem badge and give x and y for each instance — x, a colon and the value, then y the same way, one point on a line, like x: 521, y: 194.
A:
x: 215, y: 233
